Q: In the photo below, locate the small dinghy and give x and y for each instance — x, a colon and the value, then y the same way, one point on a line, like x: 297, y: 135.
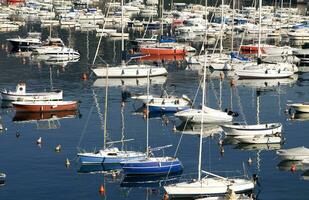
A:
x: 297, y: 153
x: 300, y: 107
x: 21, y: 95
x: 247, y: 130
x: 44, y: 106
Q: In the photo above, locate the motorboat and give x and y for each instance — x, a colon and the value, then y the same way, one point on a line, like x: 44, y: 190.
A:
x: 20, y: 94
x: 211, y: 115
x: 251, y: 130
x: 31, y: 40
x: 44, y: 106
x: 297, y: 153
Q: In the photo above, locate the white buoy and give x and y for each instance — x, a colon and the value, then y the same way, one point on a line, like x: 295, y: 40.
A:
x: 174, y: 128
x: 67, y: 163
x: 39, y: 140
x: 58, y: 148
x: 249, y: 161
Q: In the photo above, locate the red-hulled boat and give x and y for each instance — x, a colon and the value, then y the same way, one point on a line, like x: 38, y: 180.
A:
x: 41, y: 116
x: 163, y: 57
x: 253, y: 48
x: 44, y: 106
x: 164, y: 49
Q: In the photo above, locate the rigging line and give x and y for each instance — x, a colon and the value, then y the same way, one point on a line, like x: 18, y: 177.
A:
x: 99, y: 43
x: 85, y: 127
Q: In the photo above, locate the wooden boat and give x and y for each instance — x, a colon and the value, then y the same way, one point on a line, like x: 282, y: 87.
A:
x: 44, y: 106
x: 21, y: 95
x: 250, y: 130
x: 300, y: 107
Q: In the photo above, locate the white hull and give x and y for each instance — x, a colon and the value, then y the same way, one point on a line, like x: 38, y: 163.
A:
x: 130, y: 71
x: 208, y: 187
x: 247, y: 130
x: 300, y: 107
x: 298, y: 153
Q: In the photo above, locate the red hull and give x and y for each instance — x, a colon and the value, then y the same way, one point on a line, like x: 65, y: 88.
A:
x: 162, y: 51
x: 12, y: 2
x: 250, y: 49
x: 45, y: 108
x: 163, y: 57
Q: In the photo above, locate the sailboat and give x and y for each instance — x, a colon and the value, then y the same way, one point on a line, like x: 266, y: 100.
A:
x: 152, y: 165
x: 129, y: 71
x: 211, y: 184
x: 265, y: 70
x: 108, y: 155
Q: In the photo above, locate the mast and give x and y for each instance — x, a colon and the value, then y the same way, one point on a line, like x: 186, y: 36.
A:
x: 260, y: 23
x: 233, y: 18
x: 122, y: 27
x: 105, y: 109
x: 221, y: 32
x: 203, y: 98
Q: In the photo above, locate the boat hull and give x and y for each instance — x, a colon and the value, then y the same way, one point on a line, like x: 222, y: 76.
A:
x: 43, y: 107
x: 167, y: 108
x: 48, y: 96
x: 154, y: 167
x: 245, y: 130
x: 88, y: 160
x: 162, y: 51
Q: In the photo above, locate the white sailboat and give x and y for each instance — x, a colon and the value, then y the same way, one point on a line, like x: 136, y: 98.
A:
x: 211, y: 184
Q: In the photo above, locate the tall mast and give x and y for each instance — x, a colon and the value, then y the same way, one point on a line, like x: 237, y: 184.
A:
x: 233, y: 18
x: 122, y: 27
x: 203, y: 97
x: 221, y: 32
x: 260, y: 24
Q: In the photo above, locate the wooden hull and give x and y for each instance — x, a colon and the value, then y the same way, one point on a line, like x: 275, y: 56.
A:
x: 45, y: 107
x: 162, y: 51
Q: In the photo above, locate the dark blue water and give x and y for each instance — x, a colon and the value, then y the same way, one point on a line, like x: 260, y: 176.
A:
x: 35, y: 172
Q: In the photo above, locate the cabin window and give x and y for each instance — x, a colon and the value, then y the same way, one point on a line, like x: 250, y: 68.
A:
x: 112, y: 154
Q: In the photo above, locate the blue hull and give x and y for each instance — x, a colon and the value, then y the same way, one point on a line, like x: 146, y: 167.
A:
x: 105, y: 160
x: 167, y: 109
x: 152, y: 168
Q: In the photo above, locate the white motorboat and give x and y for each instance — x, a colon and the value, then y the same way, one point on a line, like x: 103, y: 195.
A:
x: 130, y: 71
x: 260, y: 139
x: 32, y: 39
x: 20, y: 94
x: 300, y: 107
x: 210, y: 115
x: 297, y: 153
x: 250, y: 130
x: 2, y: 178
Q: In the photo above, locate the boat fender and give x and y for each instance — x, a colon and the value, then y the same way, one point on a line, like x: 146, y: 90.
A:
x: 293, y: 168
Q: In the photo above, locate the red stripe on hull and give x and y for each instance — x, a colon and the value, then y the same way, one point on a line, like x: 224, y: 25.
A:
x: 45, y: 108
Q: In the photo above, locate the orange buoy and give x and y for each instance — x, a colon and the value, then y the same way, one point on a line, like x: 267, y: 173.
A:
x: 84, y: 77
x: 145, y: 112
x: 101, y: 190
x: 233, y: 83
x: 165, y: 197
x: 293, y: 168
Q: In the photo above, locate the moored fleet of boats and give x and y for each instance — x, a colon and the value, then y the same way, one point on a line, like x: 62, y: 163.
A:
x: 186, y: 23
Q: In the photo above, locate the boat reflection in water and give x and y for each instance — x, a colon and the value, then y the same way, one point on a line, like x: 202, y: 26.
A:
x: 116, y: 82
x: 305, y: 175
x: 195, y: 129
x: 148, y: 181
x: 99, y: 168
x: 299, y: 116
x: 44, y: 120
x: 285, y: 165
x: 250, y: 147
x: 269, y: 84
